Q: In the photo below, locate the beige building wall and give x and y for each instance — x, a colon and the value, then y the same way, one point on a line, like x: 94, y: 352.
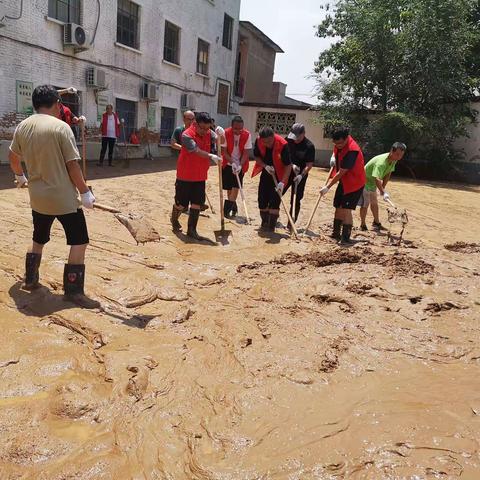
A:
x: 471, y: 145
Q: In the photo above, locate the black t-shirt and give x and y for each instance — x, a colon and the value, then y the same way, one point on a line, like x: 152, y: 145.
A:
x: 268, y: 159
x: 348, y: 161
x: 301, y: 153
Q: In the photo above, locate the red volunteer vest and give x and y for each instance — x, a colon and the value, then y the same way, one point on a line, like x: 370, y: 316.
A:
x: 230, y: 145
x: 65, y: 114
x: 105, y: 123
x: 278, y: 145
x: 190, y: 166
x: 355, y: 178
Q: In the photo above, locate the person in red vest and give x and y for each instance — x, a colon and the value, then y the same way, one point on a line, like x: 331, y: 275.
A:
x: 192, y: 171
x: 272, y: 158
x: 236, y: 153
x: 66, y: 114
x: 349, y: 172
x: 110, y: 129
x: 134, y: 139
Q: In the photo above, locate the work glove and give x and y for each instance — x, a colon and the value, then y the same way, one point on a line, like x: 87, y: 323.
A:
x: 220, y: 131
x: 236, y: 168
x: 87, y: 199
x: 270, y: 169
x: 214, y: 158
x: 296, y: 169
x: 324, y: 190
x: 82, y: 119
x: 21, y: 180
x: 279, y: 188
x: 386, y: 196
x: 72, y: 90
x: 298, y: 179
x: 333, y: 162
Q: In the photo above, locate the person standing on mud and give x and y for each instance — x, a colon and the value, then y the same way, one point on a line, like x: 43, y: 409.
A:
x: 236, y: 151
x: 302, y: 155
x: 378, y: 171
x: 272, y: 158
x: 192, y: 171
x: 110, y: 130
x: 47, y: 146
x: 349, y: 173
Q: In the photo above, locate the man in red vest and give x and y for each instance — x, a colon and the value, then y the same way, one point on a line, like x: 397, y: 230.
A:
x: 236, y: 152
x: 349, y: 172
x: 110, y: 130
x: 66, y: 115
x: 192, y: 171
x: 272, y: 158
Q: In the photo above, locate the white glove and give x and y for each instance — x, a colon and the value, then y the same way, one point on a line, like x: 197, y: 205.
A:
x: 279, y: 188
x: 82, y: 119
x: 21, y: 180
x: 87, y: 199
x: 214, y: 158
x: 324, y: 190
x: 333, y: 162
x: 270, y: 169
x: 72, y: 90
x: 298, y: 179
x: 296, y: 169
x: 220, y: 131
x: 386, y: 196
x: 236, y: 168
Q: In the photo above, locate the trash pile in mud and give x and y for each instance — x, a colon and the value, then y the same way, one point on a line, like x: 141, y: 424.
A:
x: 462, y: 247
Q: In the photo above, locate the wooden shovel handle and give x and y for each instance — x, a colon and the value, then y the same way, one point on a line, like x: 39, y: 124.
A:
x: 105, y: 208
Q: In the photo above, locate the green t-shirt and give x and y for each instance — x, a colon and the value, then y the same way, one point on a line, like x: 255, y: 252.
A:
x: 378, y: 167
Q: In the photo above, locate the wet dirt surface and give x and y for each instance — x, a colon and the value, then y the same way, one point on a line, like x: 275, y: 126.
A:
x: 264, y: 358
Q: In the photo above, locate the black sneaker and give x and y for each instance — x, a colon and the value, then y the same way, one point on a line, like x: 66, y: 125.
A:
x: 378, y: 226
x: 363, y: 228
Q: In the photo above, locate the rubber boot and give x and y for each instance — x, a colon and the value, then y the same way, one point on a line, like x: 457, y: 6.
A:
x: 176, y: 226
x: 337, y: 229
x: 346, y: 232
x: 265, y: 218
x: 32, y: 264
x: 234, y: 209
x: 272, y: 222
x: 192, y: 224
x: 73, y: 286
x: 227, y: 208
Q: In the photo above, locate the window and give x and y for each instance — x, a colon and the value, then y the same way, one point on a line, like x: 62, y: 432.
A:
x: 202, y: 57
x: 127, y: 23
x: 223, y: 97
x: 167, y: 125
x: 67, y: 11
x: 227, y: 31
x: 128, y: 111
x: 171, y: 43
x: 279, y: 121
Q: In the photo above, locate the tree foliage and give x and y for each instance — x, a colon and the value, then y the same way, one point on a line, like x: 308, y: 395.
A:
x: 417, y: 62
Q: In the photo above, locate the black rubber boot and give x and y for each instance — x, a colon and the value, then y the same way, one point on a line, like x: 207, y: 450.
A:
x: 272, y: 222
x: 32, y: 264
x: 337, y: 229
x: 73, y: 286
x: 192, y: 224
x: 265, y: 217
x: 176, y: 226
x: 234, y: 209
x: 346, y: 233
x: 227, y: 208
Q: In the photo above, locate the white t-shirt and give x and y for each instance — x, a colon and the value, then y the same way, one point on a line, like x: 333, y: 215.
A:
x: 111, y: 131
x: 236, y: 157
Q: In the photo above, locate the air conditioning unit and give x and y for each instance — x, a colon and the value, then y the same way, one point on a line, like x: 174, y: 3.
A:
x: 74, y: 36
x: 187, y: 101
x: 149, y: 92
x: 96, y: 78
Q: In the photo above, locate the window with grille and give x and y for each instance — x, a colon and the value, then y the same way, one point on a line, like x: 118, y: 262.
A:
x: 167, y: 125
x: 227, y: 31
x: 68, y: 11
x: 202, y: 57
x: 223, y: 97
x: 280, y: 122
x: 127, y: 23
x: 127, y: 111
x: 171, y: 44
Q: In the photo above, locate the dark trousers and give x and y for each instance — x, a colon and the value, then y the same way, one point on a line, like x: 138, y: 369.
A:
x: 110, y: 143
x: 300, y: 193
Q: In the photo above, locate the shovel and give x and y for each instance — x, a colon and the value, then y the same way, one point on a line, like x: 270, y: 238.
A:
x: 243, y: 198
x: 222, y: 234
x: 290, y: 219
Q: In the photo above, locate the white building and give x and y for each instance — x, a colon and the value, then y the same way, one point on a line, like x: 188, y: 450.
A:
x: 151, y: 59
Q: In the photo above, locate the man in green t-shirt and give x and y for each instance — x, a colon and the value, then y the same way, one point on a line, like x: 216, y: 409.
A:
x: 379, y: 170
x: 176, y: 140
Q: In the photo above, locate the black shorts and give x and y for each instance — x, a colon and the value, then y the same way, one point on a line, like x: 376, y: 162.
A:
x: 73, y: 224
x: 189, y: 192
x: 268, y: 198
x: 229, y: 180
x: 348, y: 201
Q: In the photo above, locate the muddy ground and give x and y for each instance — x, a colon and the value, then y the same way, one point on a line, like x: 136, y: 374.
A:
x: 262, y: 359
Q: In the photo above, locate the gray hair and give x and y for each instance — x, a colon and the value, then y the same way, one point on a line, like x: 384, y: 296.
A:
x: 399, y: 146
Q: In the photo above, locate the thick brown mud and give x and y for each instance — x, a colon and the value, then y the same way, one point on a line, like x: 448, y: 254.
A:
x: 264, y: 358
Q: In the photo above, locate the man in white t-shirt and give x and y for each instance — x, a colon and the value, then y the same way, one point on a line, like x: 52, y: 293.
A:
x: 110, y: 130
x: 236, y: 151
